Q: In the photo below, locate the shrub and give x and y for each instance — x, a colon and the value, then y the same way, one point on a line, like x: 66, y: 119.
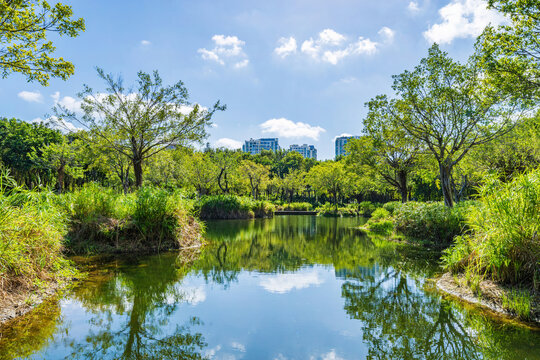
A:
x: 432, y: 223
x: 329, y: 210
x: 380, y: 214
x: 391, y: 206
x: 366, y: 208
x: 296, y: 206
x: 233, y: 207
x: 381, y: 227
x: 504, y: 243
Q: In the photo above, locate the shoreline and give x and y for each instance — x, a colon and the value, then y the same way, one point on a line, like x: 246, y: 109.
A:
x: 491, y: 299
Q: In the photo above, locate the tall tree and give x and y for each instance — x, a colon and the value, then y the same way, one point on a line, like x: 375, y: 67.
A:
x: 450, y: 108
x: 511, y: 52
x: 330, y: 178
x: 24, y: 26
x: 142, y: 121
x: 257, y: 174
x: 388, y: 149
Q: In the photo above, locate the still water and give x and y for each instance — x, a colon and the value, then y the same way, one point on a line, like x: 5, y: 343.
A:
x: 292, y: 287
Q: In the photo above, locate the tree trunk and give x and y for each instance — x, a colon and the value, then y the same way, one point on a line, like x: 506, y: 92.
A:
x: 445, y: 170
x: 402, y: 181
x: 137, y: 170
x: 61, y: 176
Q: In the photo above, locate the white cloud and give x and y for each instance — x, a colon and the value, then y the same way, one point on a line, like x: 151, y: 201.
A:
x: 283, y: 283
x: 332, y: 47
x: 343, y: 134
x: 238, y: 346
x: 290, y: 129
x: 287, y: 47
x: 145, y: 43
x: 67, y: 102
x: 387, y: 34
x: 31, y: 96
x: 413, y: 6
x: 462, y: 19
x: 57, y: 124
x: 228, y: 143
x: 331, y: 356
x: 194, y: 295
x: 226, y: 50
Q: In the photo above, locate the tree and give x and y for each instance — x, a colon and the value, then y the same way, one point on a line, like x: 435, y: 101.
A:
x: 140, y: 123
x: 227, y: 161
x: 293, y: 183
x: 386, y: 148
x: 330, y: 178
x: 450, y: 108
x: 64, y: 158
x: 511, y: 52
x: 24, y: 26
x: 201, y: 172
x: 257, y: 175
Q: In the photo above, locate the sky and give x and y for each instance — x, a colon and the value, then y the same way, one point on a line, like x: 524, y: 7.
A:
x: 299, y: 70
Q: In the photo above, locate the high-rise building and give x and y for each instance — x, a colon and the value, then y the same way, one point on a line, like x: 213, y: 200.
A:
x: 340, y: 144
x: 307, y: 151
x: 255, y: 146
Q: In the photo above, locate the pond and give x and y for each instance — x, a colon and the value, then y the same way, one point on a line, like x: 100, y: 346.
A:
x: 292, y: 287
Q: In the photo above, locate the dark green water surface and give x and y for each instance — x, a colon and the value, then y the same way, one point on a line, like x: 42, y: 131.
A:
x: 292, y: 287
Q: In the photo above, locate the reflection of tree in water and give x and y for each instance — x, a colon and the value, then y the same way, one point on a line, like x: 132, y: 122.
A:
x: 401, y: 321
x: 145, y: 293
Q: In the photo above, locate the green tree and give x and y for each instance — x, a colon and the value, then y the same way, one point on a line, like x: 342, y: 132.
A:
x: 450, y: 108
x: 331, y: 178
x: 24, y: 26
x: 201, y: 172
x: 139, y: 123
x: 256, y: 174
x: 511, y: 52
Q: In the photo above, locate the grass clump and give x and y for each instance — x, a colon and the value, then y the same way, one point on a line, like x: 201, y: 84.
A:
x: 431, y: 223
x: 150, y: 219
x: 518, y: 302
x: 504, y: 242
x: 330, y: 210
x: 32, y: 230
x: 296, y: 206
x: 233, y: 207
x: 380, y: 223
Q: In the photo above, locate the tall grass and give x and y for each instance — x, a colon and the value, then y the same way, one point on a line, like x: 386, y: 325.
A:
x: 296, y: 206
x: 32, y: 229
x: 504, y: 243
x: 431, y: 223
x: 233, y: 207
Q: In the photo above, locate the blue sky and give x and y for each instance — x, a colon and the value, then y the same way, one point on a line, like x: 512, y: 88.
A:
x: 300, y: 70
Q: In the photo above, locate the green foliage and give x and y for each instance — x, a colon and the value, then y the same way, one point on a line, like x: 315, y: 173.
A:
x: 432, y: 223
x: 296, y: 206
x: 24, y: 26
x: 518, y: 302
x: 366, y: 208
x: 330, y: 210
x: 504, y: 242
x: 233, y: 207
x: 32, y: 230
x: 380, y: 213
x: 380, y: 227
x: 391, y: 206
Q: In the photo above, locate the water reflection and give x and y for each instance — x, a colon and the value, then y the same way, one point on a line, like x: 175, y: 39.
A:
x: 286, y: 288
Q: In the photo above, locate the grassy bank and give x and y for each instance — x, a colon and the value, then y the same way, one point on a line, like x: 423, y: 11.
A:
x: 149, y: 220
x: 233, y: 207
x: 503, y: 244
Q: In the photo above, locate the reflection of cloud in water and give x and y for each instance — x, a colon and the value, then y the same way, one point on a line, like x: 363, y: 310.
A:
x: 210, y: 353
x: 192, y: 295
x: 283, y: 283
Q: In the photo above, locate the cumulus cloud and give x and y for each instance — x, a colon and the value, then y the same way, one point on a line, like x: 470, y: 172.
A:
x: 290, y: 129
x: 31, y: 96
x: 331, y: 47
x: 228, y: 143
x: 145, y: 42
x: 57, y: 124
x: 413, y: 6
x: 387, y: 34
x: 287, y: 46
x: 462, y: 19
x: 238, y: 346
x: 226, y: 50
x: 67, y: 102
x: 283, y: 283
x: 331, y: 356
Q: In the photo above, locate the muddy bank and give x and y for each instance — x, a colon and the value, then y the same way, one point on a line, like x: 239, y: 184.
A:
x: 491, y: 296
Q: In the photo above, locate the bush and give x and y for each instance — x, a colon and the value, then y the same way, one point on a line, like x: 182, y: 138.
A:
x: 381, y: 227
x: 504, y: 242
x: 366, y: 208
x: 296, y: 206
x: 329, y: 210
x: 431, y: 223
x: 392, y: 206
x: 380, y: 214
x: 233, y: 207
